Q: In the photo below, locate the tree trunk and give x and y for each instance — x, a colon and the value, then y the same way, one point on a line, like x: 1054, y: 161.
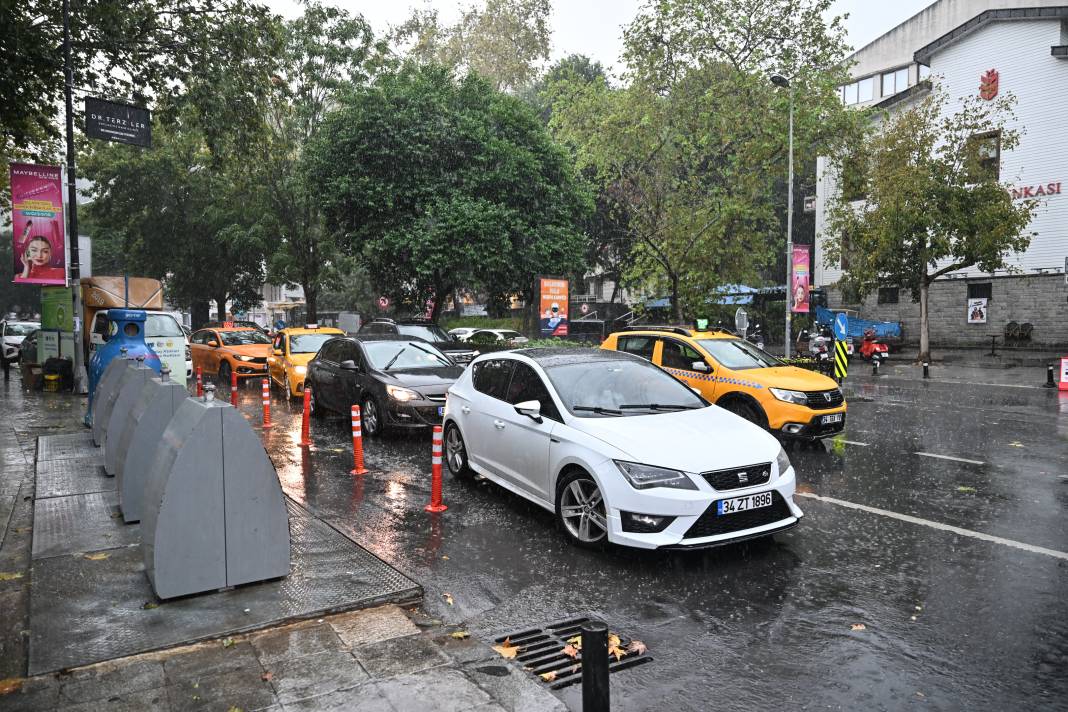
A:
x: 925, y: 336
x: 676, y: 306
x: 199, y: 314
x: 220, y: 303
x: 311, y: 306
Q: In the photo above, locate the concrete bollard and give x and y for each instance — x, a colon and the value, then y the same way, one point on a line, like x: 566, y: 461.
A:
x: 357, y: 443
x: 128, y: 388
x: 436, y: 505
x: 104, y: 398
x: 214, y: 513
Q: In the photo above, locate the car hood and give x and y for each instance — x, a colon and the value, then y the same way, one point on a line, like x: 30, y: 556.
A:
x: 788, y: 377
x: 443, y: 376
x: 250, y: 350
x: 692, y: 440
x: 14, y: 340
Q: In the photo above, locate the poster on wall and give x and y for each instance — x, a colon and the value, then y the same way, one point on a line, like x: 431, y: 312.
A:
x: 977, y: 311
x: 57, y: 308
x: 553, y: 306
x: 37, y: 230
x: 800, y: 278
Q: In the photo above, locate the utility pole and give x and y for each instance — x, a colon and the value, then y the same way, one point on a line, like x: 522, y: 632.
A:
x: 80, y: 380
x: 781, y: 81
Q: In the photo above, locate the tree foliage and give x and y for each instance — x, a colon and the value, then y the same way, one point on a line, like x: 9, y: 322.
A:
x: 930, y: 205
x: 447, y: 183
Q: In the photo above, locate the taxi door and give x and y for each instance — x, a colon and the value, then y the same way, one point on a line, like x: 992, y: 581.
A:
x: 209, y: 355
x: 679, y: 358
x: 276, y: 366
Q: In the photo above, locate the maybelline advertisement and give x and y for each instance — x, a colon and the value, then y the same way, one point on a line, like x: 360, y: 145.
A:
x: 37, y: 224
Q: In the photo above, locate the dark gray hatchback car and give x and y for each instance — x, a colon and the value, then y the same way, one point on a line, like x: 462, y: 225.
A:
x: 398, y: 381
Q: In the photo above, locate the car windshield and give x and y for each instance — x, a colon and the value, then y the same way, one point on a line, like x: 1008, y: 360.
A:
x: 308, y: 343
x: 404, y: 354
x: 738, y: 354
x: 20, y: 329
x: 510, y: 334
x: 427, y: 332
x: 160, y: 325
x: 619, y: 388
x: 243, y: 338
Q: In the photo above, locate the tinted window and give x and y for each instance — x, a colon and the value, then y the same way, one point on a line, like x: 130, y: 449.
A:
x: 307, y: 343
x: 491, y: 377
x: 202, y: 337
x: 526, y: 385
x: 404, y: 354
x: 427, y: 332
x: 243, y: 338
x: 676, y: 354
x: 735, y: 353
x: 330, y: 350
x: 619, y: 386
x: 15, y: 329
x: 162, y: 325
x: 638, y: 345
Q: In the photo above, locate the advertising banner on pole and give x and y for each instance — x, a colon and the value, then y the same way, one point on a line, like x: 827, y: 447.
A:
x: 800, y: 278
x: 37, y: 227
x: 553, y: 306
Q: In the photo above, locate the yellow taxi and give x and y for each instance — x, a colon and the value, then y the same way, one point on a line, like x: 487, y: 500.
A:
x: 731, y: 372
x: 292, y: 349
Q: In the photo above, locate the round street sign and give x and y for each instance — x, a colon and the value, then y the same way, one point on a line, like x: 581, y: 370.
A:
x: 383, y: 302
x: 841, y: 326
x: 585, y: 308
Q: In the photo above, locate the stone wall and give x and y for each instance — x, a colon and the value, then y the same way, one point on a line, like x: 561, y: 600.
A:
x: 1041, y: 300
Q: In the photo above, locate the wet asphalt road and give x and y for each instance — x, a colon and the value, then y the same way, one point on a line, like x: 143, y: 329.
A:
x: 952, y: 621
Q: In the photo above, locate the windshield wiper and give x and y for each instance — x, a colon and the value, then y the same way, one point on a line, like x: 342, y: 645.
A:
x: 658, y: 406
x: 597, y: 409
x: 445, y: 361
x: 394, y: 359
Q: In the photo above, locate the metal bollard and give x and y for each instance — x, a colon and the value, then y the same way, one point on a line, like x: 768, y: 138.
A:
x: 875, y: 367
x: 200, y: 382
x: 926, y: 370
x: 305, y: 420
x: 1049, y: 377
x: 357, y: 444
x: 233, y: 388
x: 595, y: 696
x: 266, y: 403
x: 436, y: 505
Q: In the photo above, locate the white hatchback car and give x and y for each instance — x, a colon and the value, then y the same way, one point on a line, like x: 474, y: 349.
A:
x: 618, y: 449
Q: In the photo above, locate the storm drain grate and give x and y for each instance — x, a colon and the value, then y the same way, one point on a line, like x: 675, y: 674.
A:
x: 541, y: 652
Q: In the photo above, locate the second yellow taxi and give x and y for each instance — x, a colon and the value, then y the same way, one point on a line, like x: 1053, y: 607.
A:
x: 292, y: 349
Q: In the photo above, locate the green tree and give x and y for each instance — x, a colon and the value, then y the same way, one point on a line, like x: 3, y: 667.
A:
x: 447, y: 183
x: 504, y: 41
x: 932, y: 199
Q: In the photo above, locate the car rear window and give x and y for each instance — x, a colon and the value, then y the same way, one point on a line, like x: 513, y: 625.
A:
x: 638, y: 345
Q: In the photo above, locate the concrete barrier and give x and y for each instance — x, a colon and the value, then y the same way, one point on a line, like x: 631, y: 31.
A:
x: 156, y: 405
x: 214, y: 515
x: 128, y: 388
x: 105, y: 396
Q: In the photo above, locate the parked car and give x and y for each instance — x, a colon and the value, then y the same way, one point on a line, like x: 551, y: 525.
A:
x: 292, y: 349
x: 398, y: 381
x: 732, y: 373
x: 240, y: 350
x: 461, y: 333
x: 421, y: 329
x: 238, y: 323
x: 495, y: 336
x: 621, y: 451
x: 12, y: 334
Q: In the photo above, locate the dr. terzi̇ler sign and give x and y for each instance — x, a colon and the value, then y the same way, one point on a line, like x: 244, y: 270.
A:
x: 122, y: 123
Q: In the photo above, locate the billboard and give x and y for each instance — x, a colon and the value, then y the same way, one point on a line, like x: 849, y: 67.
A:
x: 113, y: 121
x: 552, y: 306
x: 37, y: 224
x: 800, y: 279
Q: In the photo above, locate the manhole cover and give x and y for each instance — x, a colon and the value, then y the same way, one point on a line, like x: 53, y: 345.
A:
x: 541, y: 652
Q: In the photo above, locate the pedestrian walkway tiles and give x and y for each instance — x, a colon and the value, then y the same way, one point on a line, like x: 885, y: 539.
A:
x: 57, y: 478
x: 89, y: 609
x: 68, y: 446
x: 80, y: 523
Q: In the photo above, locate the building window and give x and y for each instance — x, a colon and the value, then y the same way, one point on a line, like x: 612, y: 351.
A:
x: 979, y: 290
x: 895, y: 81
x: 866, y: 90
x: 888, y: 295
x: 923, y: 71
x: 984, y: 157
x: 849, y: 94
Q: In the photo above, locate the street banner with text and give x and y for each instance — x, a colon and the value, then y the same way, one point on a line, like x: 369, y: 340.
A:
x: 553, y: 306
x: 800, y: 278
x: 37, y: 229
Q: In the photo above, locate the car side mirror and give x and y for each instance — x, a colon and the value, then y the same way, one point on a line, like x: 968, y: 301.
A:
x: 531, y: 409
x: 349, y: 365
x: 213, y: 344
x: 701, y: 367
x: 277, y: 352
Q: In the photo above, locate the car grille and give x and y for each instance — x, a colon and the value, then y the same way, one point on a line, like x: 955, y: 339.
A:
x: 822, y: 400
x: 438, y: 398
x: 737, y: 477
x: 711, y: 524
x: 460, y: 356
x: 258, y: 359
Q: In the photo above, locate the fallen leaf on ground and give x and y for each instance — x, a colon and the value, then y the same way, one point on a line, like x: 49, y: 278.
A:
x: 576, y: 641
x: 506, y: 649
x: 445, y: 558
x: 235, y: 709
x: 1016, y: 443
x: 613, y: 647
x: 228, y: 642
x: 149, y: 605
x: 459, y: 634
x: 11, y: 684
x: 5, y: 576
x: 570, y: 651
x: 637, y: 647
x: 548, y: 676
x: 267, y: 676
x: 858, y: 626
x: 447, y: 597
x: 965, y: 488
x: 99, y: 556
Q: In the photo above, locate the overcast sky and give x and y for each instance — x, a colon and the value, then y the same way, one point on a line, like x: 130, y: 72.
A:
x: 594, y: 27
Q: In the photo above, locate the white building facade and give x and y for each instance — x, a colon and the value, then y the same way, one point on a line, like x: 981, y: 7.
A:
x: 1027, y: 49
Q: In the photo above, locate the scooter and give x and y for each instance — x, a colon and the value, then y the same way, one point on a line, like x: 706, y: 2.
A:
x: 819, y: 347
x: 755, y: 336
x: 873, y: 349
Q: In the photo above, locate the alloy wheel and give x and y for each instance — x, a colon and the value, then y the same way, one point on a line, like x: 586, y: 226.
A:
x: 455, y: 452
x: 582, y: 511
x: 369, y: 417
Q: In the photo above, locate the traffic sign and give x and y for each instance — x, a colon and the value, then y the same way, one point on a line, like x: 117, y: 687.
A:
x: 383, y: 302
x: 841, y: 326
x: 841, y: 360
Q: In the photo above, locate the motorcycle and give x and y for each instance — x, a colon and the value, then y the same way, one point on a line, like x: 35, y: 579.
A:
x: 873, y: 349
x: 755, y: 336
x: 819, y: 349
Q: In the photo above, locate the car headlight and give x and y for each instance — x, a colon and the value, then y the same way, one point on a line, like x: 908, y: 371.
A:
x: 796, y: 397
x: 244, y: 358
x: 402, y: 394
x: 782, y: 460
x: 646, y: 476
x: 188, y: 354
x: 300, y: 370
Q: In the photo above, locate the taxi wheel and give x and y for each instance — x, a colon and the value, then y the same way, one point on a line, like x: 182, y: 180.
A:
x: 753, y: 413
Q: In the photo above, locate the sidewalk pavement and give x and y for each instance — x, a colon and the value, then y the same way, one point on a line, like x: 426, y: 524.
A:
x: 1017, y: 377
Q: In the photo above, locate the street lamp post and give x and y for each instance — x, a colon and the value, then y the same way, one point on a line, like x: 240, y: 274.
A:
x: 781, y: 81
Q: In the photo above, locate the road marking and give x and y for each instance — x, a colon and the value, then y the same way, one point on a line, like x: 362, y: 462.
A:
x: 852, y: 442
x: 938, y: 525
x: 949, y: 457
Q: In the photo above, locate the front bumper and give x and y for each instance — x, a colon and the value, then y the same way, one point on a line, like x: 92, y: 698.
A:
x: 246, y: 369
x: 413, y: 414
x: 813, y: 429
x: 694, y: 512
